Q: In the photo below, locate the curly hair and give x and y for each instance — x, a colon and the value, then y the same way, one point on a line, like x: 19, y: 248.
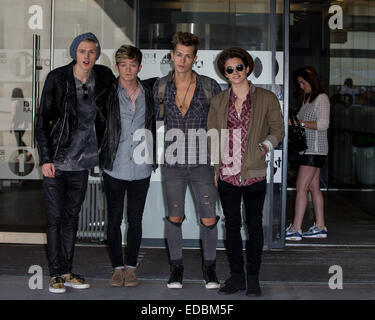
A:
x: 235, y: 52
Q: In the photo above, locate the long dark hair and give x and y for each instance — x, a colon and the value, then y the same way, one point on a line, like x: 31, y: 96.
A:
x: 310, y: 75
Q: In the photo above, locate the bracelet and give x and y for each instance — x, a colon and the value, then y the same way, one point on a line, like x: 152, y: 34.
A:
x: 303, y: 123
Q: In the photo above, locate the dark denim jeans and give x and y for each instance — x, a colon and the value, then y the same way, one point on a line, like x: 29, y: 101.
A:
x: 115, y: 190
x: 63, y: 195
x: 253, y: 197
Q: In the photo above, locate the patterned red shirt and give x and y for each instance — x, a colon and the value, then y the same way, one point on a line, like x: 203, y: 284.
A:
x: 238, y: 125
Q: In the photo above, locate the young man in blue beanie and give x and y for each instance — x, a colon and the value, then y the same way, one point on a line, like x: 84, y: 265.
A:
x: 69, y: 132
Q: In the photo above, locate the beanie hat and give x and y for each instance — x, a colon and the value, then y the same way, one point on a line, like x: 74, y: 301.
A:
x: 77, y: 40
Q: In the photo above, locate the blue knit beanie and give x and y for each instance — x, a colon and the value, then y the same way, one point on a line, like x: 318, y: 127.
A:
x: 77, y: 40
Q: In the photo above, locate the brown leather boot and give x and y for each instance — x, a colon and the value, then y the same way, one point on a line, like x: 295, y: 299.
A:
x: 130, y: 277
x: 118, y: 278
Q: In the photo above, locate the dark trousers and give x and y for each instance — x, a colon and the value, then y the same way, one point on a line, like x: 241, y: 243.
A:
x: 253, y: 197
x: 20, y: 143
x: 63, y: 195
x: 136, y: 198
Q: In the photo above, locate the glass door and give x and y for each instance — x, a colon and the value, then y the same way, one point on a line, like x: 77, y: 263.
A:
x: 256, y: 26
x: 24, y: 64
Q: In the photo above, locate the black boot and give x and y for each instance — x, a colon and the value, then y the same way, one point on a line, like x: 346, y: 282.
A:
x: 175, y: 279
x: 235, y: 283
x: 209, y: 275
x: 253, y: 287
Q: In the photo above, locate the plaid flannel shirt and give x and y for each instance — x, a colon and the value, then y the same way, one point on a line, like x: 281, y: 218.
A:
x: 186, y: 151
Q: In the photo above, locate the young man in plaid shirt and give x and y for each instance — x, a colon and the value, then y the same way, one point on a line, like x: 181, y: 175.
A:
x: 185, y: 109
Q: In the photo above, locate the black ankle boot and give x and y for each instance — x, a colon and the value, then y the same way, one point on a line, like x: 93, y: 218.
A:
x: 235, y: 283
x: 253, y: 287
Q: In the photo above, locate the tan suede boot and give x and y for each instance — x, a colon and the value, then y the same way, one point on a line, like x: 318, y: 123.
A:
x: 130, y: 277
x: 118, y: 278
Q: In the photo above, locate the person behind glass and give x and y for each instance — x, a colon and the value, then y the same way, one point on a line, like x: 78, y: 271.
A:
x: 253, y: 117
x: 185, y: 109
x: 348, y: 89
x: 130, y: 107
x: 18, y: 123
x: 314, y: 117
x: 69, y: 131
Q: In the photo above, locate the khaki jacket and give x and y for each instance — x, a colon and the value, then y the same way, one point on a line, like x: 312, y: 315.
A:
x: 266, y: 123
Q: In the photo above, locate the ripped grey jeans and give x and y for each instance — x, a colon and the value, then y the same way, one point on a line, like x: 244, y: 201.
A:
x: 201, y: 179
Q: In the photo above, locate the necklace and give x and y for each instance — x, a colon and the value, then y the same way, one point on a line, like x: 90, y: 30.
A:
x: 238, y: 107
x: 180, y: 106
x: 132, y: 93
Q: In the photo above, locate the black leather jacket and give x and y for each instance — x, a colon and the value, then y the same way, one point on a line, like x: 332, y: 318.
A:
x: 57, y: 114
x: 113, y: 128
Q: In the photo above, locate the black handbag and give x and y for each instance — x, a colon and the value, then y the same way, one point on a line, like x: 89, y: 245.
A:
x: 296, y: 136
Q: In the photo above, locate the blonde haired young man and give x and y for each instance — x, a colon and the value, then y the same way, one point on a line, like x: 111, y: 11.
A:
x: 129, y: 108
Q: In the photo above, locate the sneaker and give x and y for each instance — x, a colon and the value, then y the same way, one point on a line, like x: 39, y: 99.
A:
x: 75, y: 281
x: 118, y: 278
x: 315, y: 232
x: 294, y: 235
x: 175, y: 280
x: 210, y: 277
x: 56, y: 285
x: 130, y: 277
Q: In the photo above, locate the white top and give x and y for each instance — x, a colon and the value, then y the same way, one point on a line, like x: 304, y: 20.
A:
x: 316, y: 111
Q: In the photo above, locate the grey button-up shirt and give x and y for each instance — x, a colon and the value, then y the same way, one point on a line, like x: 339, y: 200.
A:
x: 124, y: 166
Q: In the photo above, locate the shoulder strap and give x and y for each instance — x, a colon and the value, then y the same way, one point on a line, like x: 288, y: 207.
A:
x: 162, y: 85
x: 207, y: 87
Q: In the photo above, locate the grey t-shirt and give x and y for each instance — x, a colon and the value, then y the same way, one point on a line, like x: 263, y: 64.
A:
x: 83, y: 151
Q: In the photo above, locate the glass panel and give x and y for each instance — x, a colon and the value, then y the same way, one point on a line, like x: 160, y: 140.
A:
x: 112, y: 21
x: 21, y: 196
x: 256, y: 26
x: 352, y: 88
x: 337, y: 39
x: 344, y: 57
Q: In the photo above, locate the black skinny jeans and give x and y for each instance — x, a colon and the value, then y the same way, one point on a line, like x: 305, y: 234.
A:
x: 136, y: 198
x: 253, y: 197
x: 63, y: 195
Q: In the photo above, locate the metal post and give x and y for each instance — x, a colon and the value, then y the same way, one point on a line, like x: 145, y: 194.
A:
x: 136, y: 23
x: 286, y: 116
x: 35, y: 84
x: 52, y: 39
x: 270, y: 189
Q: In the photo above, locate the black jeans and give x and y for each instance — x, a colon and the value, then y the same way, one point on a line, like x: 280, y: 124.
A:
x: 136, y: 198
x: 253, y: 197
x: 63, y: 195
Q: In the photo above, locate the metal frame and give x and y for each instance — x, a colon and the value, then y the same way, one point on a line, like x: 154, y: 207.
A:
x: 270, y: 242
x: 286, y: 116
x: 35, y: 84
x: 52, y: 36
x: 272, y: 38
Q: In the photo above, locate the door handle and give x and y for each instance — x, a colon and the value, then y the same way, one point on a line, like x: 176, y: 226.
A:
x: 35, y: 84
